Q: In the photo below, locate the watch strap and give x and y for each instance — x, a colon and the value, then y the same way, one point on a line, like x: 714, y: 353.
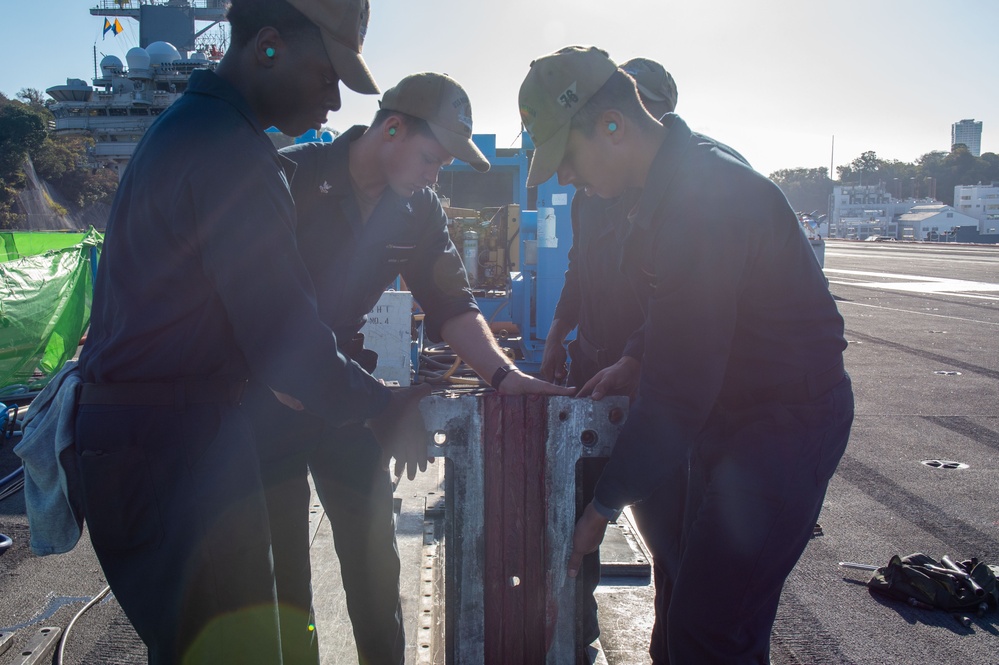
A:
x: 500, y: 374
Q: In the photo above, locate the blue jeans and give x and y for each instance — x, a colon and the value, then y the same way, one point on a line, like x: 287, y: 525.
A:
x: 176, y: 514
x: 756, y: 481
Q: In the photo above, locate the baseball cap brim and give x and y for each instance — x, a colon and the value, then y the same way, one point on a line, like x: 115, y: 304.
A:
x: 350, y: 67
x: 548, y: 156
x: 461, y: 147
x: 649, y: 94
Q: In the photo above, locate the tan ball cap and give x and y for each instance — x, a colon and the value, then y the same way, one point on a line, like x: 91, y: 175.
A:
x: 443, y: 104
x: 343, y: 24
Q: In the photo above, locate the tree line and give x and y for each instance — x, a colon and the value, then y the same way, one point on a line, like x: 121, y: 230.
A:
x: 935, y: 174
x: 59, y: 160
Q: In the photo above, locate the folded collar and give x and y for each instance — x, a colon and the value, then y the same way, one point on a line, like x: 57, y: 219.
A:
x: 662, y: 171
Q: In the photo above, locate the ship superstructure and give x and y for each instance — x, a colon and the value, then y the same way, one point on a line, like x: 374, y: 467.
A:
x: 126, y: 98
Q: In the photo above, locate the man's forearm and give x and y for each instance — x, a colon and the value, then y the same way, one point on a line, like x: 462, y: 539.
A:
x: 469, y: 336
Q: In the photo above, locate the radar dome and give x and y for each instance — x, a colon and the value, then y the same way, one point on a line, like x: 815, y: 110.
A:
x: 162, y: 53
x: 137, y: 58
x: 199, y: 57
x: 111, y: 64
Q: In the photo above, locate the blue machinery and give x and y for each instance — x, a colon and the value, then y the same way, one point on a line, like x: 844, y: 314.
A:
x: 544, y: 237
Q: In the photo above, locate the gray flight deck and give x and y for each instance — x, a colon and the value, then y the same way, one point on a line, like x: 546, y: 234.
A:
x: 922, y: 321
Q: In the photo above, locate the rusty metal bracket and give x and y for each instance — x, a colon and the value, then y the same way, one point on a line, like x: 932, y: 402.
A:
x: 509, y: 518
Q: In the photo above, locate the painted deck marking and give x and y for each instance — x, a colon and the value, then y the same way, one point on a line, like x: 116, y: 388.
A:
x: 917, y: 284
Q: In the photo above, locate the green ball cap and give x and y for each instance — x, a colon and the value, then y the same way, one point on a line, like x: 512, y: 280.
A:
x: 557, y: 86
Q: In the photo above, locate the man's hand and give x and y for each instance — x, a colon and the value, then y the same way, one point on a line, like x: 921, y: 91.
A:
x: 518, y: 383
x: 401, y: 431
x: 621, y: 378
x: 553, y: 367
x: 587, y: 537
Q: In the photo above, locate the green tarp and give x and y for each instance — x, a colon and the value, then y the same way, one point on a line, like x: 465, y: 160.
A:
x: 45, y: 304
x: 19, y: 244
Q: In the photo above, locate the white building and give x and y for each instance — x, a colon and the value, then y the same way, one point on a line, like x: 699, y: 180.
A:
x: 860, y: 211
x: 981, y: 202
x: 934, y: 221
x: 968, y: 132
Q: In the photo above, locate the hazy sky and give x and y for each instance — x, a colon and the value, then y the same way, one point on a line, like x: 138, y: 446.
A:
x: 775, y: 79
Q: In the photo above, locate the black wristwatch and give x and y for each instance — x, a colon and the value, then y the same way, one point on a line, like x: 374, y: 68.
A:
x: 500, y: 374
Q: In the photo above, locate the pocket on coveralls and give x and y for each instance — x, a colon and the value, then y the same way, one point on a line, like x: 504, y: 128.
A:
x: 826, y: 426
x: 120, y: 499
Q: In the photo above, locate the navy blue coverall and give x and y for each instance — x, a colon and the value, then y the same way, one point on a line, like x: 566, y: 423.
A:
x: 597, y: 296
x: 598, y: 299
x: 351, y: 263
x: 202, y: 227
x: 743, y: 400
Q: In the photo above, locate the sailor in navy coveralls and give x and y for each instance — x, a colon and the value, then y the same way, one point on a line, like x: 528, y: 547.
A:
x: 366, y: 215
x: 201, y: 226
x: 743, y: 408
x: 599, y: 303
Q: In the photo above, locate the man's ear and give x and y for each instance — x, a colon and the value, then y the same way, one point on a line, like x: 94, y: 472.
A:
x: 267, y: 46
x: 393, y: 128
x: 611, y: 125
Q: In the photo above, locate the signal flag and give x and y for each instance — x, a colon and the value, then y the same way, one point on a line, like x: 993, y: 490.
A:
x: 114, y: 28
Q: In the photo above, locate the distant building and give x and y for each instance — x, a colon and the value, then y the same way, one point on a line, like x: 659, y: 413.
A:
x: 968, y: 132
x: 858, y: 212
x: 935, y: 221
x: 981, y: 202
